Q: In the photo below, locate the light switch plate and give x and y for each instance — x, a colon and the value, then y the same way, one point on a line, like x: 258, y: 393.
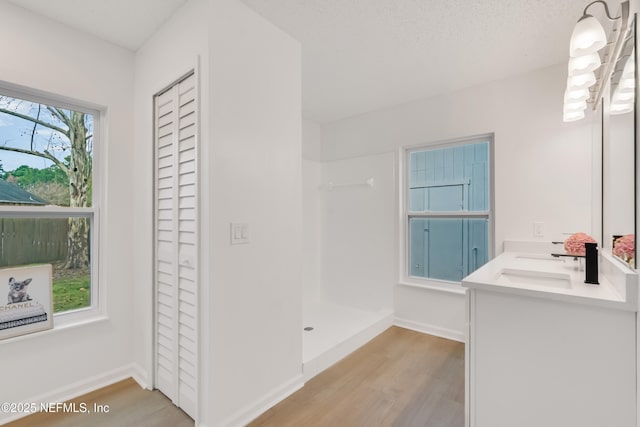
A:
x: 239, y: 233
x: 538, y: 229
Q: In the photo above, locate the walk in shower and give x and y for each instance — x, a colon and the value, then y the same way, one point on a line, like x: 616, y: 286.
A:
x: 349, y: 270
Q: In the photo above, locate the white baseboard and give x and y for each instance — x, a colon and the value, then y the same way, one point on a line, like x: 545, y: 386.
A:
x: 80, y: 388
x: 430, y: 329
x: 254, y: 410
x: 140, y: 376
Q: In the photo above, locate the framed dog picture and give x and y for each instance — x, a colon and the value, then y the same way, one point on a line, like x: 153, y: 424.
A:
x: 28, y: 306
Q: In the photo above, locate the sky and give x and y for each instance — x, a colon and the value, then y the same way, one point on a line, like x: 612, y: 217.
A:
x: 12, y: 131
x: 16, y: 132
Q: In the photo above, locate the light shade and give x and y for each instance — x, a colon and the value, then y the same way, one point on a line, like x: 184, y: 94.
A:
x: 629, y: 71
x: 627, y: 85
x: 575, y: 106
x: 581, y: 81
x: 622, y: 97
x: 573, y: 116
x: 621, y: 108
x: 572, y: 95
x: 584, y: 63
x: 588, y: 37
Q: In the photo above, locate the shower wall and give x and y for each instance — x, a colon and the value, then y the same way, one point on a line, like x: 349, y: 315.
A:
x: 358, y: 229
x: 349, y: 231
x: 311, y: 211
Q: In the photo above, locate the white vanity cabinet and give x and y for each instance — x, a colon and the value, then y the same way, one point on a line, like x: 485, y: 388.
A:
x: 541, y: 359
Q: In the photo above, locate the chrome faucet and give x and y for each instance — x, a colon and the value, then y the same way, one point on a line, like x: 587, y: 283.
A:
x: 591, y: 263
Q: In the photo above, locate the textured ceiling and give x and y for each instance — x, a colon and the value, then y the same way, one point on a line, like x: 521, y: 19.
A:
x: 127, y: 23
x: 363, y: 55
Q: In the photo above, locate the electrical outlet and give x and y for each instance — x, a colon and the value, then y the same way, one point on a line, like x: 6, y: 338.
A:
x: 538, y: 229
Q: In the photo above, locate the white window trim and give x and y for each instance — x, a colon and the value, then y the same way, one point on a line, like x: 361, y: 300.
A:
x: 97, y: 310
x: 429, y: 283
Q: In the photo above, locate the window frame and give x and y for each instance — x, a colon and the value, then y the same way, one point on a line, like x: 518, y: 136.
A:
x: 95, y: 310
x: 406, y: 214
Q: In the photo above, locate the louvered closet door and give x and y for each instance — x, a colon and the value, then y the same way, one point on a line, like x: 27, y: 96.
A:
x: 176, y: 244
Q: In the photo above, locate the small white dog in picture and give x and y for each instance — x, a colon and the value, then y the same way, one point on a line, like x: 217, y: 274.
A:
x: 18, y: 291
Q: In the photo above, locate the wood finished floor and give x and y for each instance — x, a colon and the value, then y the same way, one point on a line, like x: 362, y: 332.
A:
x: 129, y: 406
x: 400, y: 378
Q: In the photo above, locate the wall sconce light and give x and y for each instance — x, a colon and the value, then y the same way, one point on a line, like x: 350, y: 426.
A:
x: 588, y: 35
x: 584, y: 63
x: 581, y: 81
x: 573, y: 111
x: 572, y: 95
x: 587, y: 39
x: 624, y: 93
x: 572, y: 116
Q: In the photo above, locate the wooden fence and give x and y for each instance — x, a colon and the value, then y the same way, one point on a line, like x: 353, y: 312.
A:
x: 30, y: 240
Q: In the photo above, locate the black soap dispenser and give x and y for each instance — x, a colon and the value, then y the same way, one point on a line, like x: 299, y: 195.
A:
x: 591, y: 263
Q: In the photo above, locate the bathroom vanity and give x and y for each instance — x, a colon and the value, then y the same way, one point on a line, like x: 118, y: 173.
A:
x: 546, y: 349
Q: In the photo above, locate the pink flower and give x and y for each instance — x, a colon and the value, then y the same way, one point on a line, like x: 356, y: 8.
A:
x: 624, y: 247
x: 574, y: 244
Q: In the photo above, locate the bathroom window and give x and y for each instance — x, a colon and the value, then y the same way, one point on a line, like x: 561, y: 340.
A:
x: 448, y: 209
x: 48, y: 191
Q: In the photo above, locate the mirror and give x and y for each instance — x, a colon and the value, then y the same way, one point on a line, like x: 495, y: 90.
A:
x: 619, y: 156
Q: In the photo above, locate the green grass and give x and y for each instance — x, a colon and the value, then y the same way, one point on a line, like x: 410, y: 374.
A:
x: 71, y: 293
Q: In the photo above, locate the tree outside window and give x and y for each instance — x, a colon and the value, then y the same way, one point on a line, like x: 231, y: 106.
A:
x: 47, y: 151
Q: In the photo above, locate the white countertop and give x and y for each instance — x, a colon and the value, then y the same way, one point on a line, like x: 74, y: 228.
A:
x: 545, y: 276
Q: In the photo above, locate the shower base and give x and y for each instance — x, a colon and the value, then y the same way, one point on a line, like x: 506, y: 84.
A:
x: 337, y: 331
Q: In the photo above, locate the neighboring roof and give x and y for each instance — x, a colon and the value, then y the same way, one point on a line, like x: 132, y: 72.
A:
x: 13, y: 195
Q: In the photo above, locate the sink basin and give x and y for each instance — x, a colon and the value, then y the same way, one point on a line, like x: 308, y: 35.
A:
x: 514, y: 277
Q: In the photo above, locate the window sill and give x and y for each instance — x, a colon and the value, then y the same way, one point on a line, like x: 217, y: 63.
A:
x: 63, y: 322
x: 78, y: 317
x: 432, y: 285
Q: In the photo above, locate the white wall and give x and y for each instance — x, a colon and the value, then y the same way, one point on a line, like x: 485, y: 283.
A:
x: 250, y: 168
x: 311, y: 140
x: 179, y: 46
x: 312, y: 208
x: 256, y: 295
x: 46, y: 56
x: 542, y: 166
x: 535, y: 150
x: 431, y: 311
